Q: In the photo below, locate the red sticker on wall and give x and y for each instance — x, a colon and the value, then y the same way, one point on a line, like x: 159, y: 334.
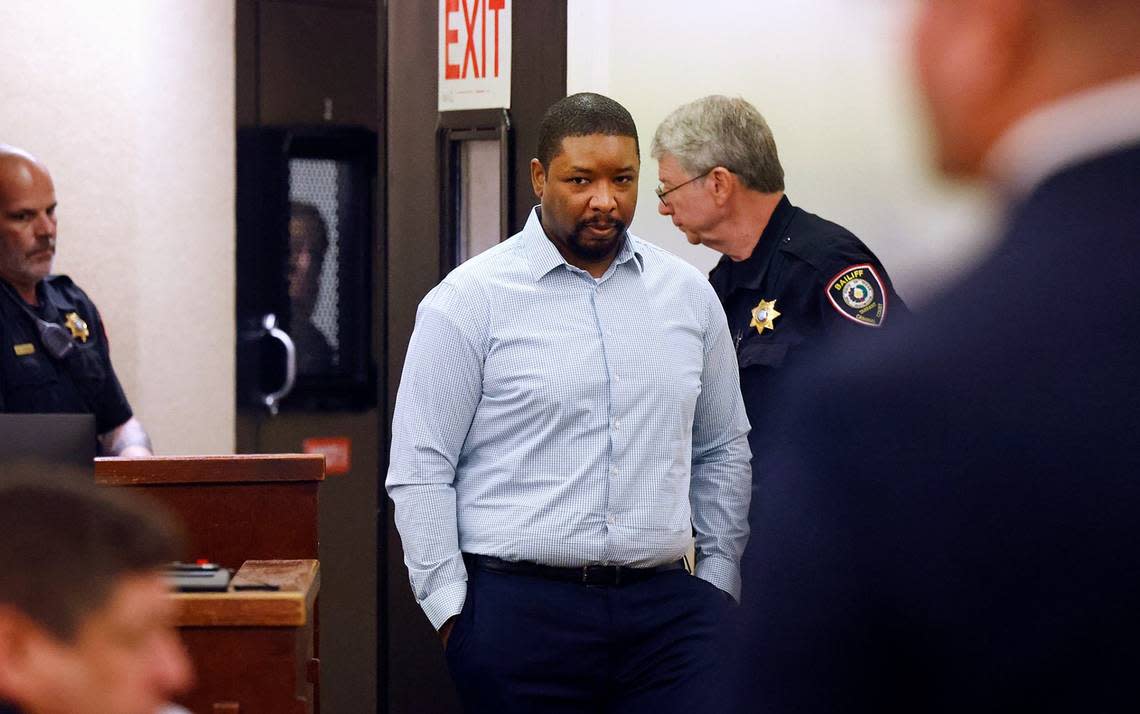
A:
x: 337, y: 451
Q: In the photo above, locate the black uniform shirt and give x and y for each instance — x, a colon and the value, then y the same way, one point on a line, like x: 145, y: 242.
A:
x: 807, y: 280
x: 32, y: 381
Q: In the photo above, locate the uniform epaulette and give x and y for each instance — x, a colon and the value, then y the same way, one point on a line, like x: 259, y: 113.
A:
x: 824, y: 245
x: 66, y: 287
x: 60, y: 280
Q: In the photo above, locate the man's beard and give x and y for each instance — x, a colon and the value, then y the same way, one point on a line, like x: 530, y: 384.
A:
x: 595, y: 249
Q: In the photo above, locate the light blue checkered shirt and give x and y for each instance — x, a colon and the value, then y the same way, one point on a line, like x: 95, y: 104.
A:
x: 547, y: 416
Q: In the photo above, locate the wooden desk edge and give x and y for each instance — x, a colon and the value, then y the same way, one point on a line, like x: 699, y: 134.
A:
x: 114, y: 471
x: 255, y: 608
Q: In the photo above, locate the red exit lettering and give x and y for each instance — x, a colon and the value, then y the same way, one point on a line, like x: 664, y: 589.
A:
x: 475, y: 18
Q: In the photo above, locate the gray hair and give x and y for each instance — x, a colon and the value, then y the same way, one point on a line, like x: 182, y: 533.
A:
x: 722, y: 131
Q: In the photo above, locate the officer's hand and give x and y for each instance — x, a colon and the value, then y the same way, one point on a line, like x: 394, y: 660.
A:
x: 135, y: 452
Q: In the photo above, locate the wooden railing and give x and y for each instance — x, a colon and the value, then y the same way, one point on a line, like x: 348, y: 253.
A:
x: 234, y: 508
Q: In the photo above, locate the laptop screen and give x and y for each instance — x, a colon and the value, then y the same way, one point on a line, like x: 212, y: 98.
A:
x: 57, y: 446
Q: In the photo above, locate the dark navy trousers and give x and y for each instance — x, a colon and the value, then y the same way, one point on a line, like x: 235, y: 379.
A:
x: 528, y: 644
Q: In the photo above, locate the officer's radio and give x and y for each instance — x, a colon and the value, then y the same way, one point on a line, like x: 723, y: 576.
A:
x: 55, y: 338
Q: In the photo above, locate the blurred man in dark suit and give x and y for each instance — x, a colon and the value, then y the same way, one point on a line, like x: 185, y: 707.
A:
x: 956, y: 532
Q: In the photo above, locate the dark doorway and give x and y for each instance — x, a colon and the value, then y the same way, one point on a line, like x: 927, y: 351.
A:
x: 314, y: 70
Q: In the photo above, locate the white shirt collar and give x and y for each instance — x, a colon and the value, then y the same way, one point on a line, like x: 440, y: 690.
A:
x: 544, y: 256
x: 1083, y: 125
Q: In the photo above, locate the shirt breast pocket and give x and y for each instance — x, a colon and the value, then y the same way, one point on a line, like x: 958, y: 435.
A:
x: 86, y: 368
x: 758, y: 353
x: 26, y: 378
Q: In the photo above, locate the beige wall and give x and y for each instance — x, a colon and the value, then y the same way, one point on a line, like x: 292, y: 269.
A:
x: 130, y: 104
x: 832, y: 79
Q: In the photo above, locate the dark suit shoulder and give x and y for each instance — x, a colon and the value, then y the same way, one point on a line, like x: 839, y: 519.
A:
x: 946, y: 475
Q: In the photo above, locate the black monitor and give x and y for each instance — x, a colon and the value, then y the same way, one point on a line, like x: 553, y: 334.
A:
x: 41, y: 446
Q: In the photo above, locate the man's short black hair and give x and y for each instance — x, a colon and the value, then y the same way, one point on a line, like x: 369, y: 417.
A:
x: 66, y: 547
x: 316, y: 235
x: 581, y: 115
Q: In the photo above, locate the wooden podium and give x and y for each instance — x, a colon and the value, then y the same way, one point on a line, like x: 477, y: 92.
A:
x: 234, y: 508
x: 254, y: 651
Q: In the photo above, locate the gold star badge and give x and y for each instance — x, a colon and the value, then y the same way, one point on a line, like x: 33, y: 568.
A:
x: 77, y: 326
x: 764, y: 316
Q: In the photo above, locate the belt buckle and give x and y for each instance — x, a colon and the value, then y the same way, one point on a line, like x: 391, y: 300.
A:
x: 598, y: 574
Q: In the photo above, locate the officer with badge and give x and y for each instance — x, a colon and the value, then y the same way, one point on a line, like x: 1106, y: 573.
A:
x: 788, y: 279
x: 53, y: 350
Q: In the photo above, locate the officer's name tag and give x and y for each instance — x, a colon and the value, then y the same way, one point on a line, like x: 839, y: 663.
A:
x: 24, y: 349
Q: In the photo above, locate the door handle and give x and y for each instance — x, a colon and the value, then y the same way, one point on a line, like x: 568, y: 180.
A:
x: 272, y: 401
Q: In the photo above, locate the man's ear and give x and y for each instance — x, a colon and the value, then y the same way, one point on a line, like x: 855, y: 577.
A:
x: 1001, y: 40
x: 18, y: 636
x: 723, y: 183
x: 537, y: 178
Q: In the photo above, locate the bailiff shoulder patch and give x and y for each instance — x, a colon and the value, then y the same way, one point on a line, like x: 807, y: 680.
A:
x: 857, y: 293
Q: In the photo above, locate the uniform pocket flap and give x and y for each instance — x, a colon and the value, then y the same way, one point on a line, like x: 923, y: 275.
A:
x: 762, y: 354
x: 28, y: 371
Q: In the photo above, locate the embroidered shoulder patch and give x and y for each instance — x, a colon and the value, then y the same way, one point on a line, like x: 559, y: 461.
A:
x: 857, y: 293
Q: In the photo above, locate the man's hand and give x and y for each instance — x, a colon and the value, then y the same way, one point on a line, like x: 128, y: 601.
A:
x: 128, y: 439
x: 445, y: 631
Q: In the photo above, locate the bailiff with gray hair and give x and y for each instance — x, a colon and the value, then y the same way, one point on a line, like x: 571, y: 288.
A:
x: 789, y: 280
x: 722, y: 131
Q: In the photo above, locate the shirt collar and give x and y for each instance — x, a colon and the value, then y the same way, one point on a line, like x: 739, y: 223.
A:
x: 543, y: 255
x: 1081, y: 126
x: 48, y: 300
x: 52, y: 298
x: 748, y: 273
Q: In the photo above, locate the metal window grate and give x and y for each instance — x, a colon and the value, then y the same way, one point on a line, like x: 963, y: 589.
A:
x: 315, y: 187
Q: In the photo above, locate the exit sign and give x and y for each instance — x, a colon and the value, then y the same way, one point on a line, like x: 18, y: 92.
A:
x: 474, y: 54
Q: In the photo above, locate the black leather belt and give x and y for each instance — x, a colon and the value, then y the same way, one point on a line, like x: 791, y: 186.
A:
x: 616, y: 575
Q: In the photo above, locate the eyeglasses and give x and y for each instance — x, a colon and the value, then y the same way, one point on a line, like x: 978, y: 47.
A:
x: 662, y: 193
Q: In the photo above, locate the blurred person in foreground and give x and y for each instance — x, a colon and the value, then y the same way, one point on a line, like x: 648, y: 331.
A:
x: 54, y: 354
x: 86, y: 624
x: 952, y: 534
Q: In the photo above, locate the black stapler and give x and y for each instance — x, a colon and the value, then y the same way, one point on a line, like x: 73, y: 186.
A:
x: 199, y: 576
